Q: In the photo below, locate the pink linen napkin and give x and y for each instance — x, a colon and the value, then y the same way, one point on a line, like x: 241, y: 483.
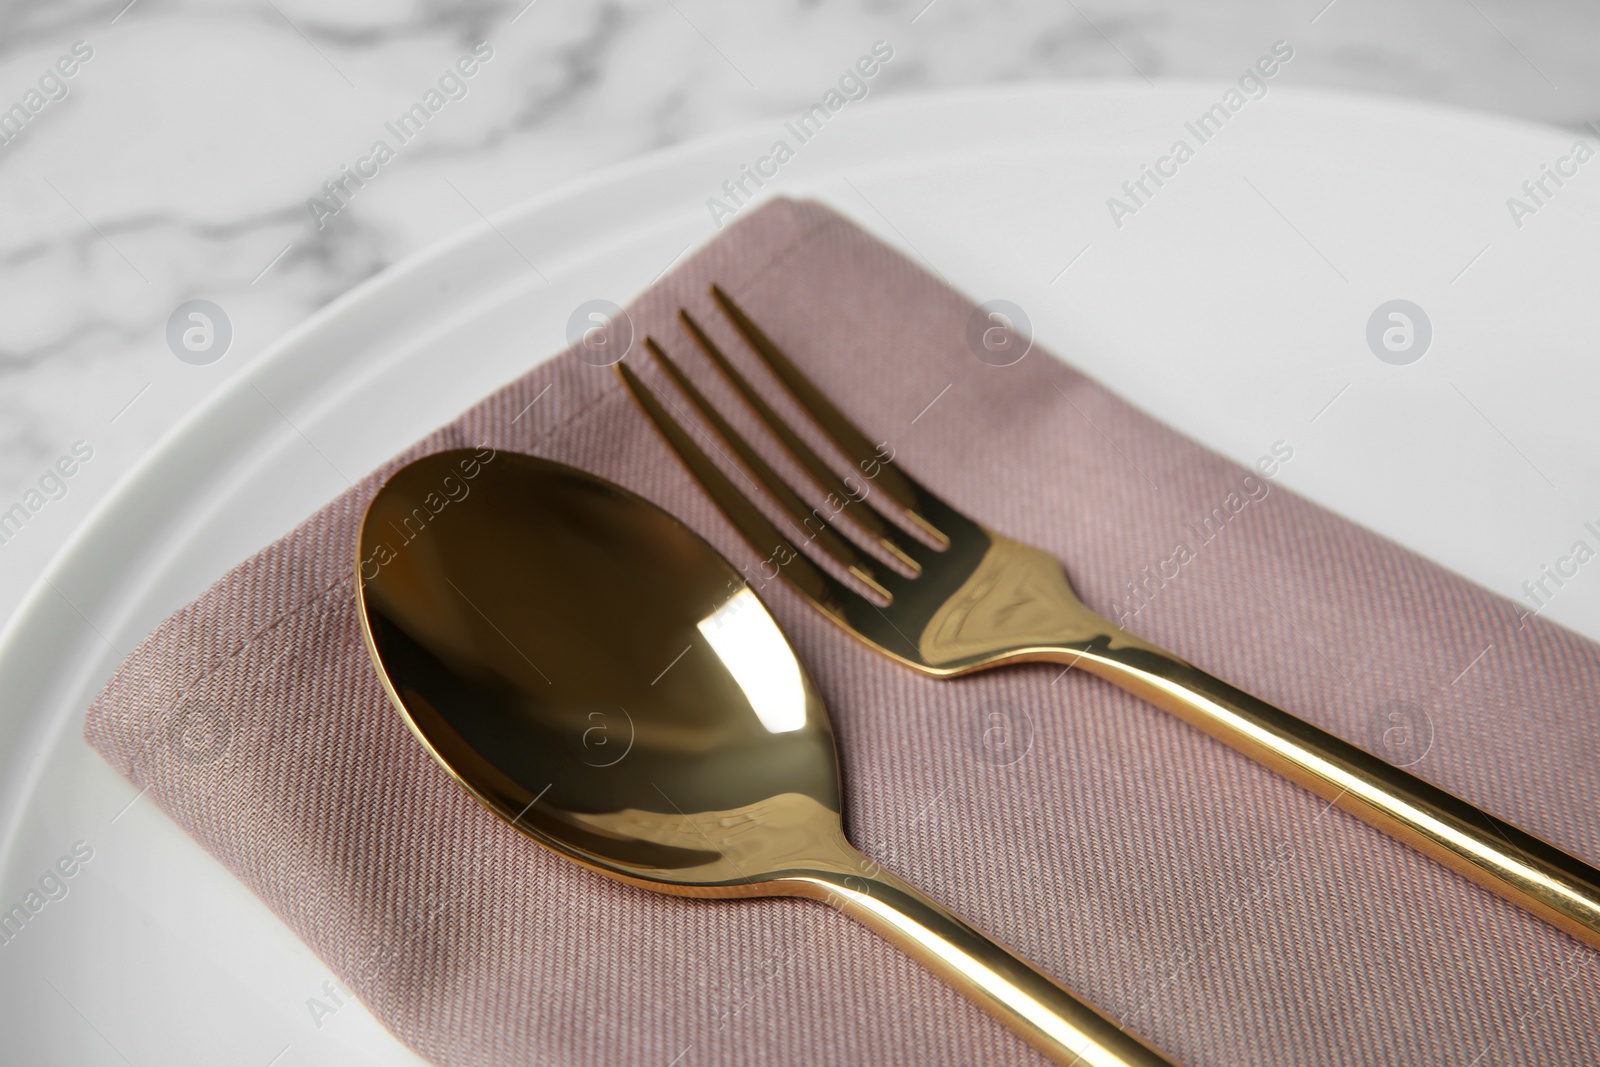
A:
x: 1222, y: 912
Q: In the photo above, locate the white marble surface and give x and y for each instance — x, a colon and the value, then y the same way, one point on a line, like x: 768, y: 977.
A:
x: 179, y: 163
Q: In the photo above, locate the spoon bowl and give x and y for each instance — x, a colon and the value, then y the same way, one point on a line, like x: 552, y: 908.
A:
x: 599, y: 677
x: 554, y: 638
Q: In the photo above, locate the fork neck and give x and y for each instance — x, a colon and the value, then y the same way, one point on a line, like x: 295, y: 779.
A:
x: 1016, y: 604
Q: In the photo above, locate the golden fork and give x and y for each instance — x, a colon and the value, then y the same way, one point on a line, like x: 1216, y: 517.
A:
x: 980, y: 599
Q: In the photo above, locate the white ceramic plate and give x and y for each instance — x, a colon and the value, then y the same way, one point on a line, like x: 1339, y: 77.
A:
x: 1233, y: 304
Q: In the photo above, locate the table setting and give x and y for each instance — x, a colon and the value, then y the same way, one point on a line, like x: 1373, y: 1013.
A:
x: 947, y: 603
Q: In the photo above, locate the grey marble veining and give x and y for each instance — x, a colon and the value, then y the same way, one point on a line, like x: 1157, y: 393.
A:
x: 180, y: 160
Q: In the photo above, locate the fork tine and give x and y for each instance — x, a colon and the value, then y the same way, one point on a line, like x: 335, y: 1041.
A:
x: 888, y: 536
x: 811, y: 581
x: 806, y: 518
x: 897, y: 485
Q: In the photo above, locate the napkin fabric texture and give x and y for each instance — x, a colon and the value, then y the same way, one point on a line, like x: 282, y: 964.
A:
x: 1225, y: 914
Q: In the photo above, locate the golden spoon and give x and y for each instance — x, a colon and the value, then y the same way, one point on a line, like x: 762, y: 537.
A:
x: 598, y: 676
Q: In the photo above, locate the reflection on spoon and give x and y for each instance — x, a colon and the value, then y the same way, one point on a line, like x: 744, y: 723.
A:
x: 753, y: 649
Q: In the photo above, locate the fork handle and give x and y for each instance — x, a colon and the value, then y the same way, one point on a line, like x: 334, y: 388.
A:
x: 1534, y: 874
x: 1036, y: 1008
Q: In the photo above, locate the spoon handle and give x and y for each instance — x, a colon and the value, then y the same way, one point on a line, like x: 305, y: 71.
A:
x: 1046, y: 1015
